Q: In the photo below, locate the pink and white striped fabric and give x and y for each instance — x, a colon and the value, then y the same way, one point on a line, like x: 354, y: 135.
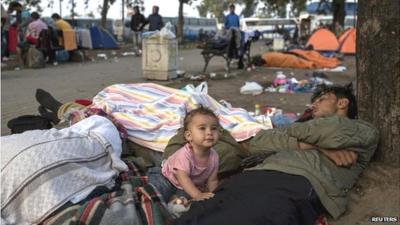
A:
x: 153, y: 113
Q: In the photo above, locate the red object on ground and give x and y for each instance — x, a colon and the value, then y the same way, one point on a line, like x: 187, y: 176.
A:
x: 12, y: 39
x: 321, y: 220
x: 84, y: 102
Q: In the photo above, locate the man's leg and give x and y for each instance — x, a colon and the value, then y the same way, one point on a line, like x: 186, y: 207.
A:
x: 135, y: 42
x: 257, y: 198
x: 139, y: 44
x: 20, y: 59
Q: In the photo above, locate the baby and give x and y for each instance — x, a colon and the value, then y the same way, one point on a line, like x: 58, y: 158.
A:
x: 192, y: 170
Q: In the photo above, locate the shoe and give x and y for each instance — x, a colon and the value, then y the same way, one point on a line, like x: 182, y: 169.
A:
x: 48, y: 115
x: 47, y: 100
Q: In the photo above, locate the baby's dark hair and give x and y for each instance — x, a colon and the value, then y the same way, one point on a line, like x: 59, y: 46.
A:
x: 339, y: 91
x: 199, y: 111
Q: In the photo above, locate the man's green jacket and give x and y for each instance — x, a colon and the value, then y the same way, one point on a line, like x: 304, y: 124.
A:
x: 331, y: 182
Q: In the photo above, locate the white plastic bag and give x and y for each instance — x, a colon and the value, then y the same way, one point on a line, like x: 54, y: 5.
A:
x: 251, y: 88
x: 201, y: 88
x: 167, y: 32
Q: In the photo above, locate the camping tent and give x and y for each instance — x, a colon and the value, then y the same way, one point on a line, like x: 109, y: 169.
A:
x: 347, y: 41
x: 323, y: 40
x: 102, y: 39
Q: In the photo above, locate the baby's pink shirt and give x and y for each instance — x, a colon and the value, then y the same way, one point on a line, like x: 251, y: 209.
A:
x: 184, y: 160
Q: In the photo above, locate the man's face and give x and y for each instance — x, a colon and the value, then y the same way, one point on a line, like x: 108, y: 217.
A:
x: 325, y: 105
x: 155, y: 10
x: 232, y: 9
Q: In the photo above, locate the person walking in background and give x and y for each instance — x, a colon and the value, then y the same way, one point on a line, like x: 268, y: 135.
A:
x: 154, y: 20
x: 137, y: 23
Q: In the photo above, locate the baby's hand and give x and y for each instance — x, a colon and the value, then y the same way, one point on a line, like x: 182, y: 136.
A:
x: 203, y: 196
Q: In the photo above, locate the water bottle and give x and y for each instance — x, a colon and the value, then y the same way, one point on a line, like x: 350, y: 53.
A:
x: 256, y: 109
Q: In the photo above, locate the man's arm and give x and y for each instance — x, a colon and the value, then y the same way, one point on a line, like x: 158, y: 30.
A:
x: 341, y: 157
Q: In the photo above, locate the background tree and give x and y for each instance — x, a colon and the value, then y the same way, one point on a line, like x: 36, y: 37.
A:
x: 33, y: 5
x: 104, y: 11
x: 378, y: 73
x: 249, y: 7
x: 214, y: 8
x: 278, y: 7
x: 339, y: 13
x: 181, y: 21
x: 72, y: 10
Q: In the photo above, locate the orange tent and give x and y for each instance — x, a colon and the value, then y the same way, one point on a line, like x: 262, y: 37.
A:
x: 347, y: 41
x: 323, y: 40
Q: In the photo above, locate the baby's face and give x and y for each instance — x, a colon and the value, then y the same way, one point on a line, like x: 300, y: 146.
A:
x: 203, y: 131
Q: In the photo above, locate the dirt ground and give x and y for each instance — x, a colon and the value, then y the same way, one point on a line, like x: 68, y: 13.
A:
x: 376, y: 194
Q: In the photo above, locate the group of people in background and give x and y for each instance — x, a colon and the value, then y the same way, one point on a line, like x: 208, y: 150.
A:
x: 138, y: 21
x: 20, y: 30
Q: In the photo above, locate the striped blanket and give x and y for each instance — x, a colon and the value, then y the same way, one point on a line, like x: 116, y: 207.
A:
x: 133, y: 202
x: 152, y: 113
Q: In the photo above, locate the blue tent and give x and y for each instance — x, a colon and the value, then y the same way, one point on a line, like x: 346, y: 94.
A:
x: 101, y: 38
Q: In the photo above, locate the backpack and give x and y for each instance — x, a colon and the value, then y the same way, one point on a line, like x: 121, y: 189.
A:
x: 28, y: 122
x: 35, y: 58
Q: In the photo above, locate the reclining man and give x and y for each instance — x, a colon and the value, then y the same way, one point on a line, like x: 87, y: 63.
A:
x: 312, y: 168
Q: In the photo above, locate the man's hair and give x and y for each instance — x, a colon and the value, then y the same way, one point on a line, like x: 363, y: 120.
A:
x: 55, y: 16
x: 199, y: 111
x: 35, y: 15
x: 339, y: 91
x: 231, y: 6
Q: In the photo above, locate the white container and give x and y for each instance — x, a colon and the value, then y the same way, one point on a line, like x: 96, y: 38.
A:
x: 159, y: 58
x: 278, y: 44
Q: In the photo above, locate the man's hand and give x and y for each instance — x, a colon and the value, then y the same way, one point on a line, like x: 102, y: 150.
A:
x: 341, y: 157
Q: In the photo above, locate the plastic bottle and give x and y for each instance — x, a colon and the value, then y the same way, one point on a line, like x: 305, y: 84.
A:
x: 256, y: 109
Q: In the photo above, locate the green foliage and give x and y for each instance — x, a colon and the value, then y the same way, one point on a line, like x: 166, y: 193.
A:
x: 272, y: 7
x: 249, y: 7
x: 215, y: 8
x: 32, y: 5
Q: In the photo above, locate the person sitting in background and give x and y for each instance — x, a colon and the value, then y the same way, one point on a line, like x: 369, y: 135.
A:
x: 60, y: 23
x: 31, y: 37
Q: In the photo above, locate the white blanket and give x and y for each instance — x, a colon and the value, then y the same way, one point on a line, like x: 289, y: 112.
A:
x: 43, y: 169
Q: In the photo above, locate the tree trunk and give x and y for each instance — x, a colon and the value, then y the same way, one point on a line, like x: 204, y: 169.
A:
x: 378, y: 73
x: 179, y: 32
x: 339, y: 13
x: 104, y: 12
